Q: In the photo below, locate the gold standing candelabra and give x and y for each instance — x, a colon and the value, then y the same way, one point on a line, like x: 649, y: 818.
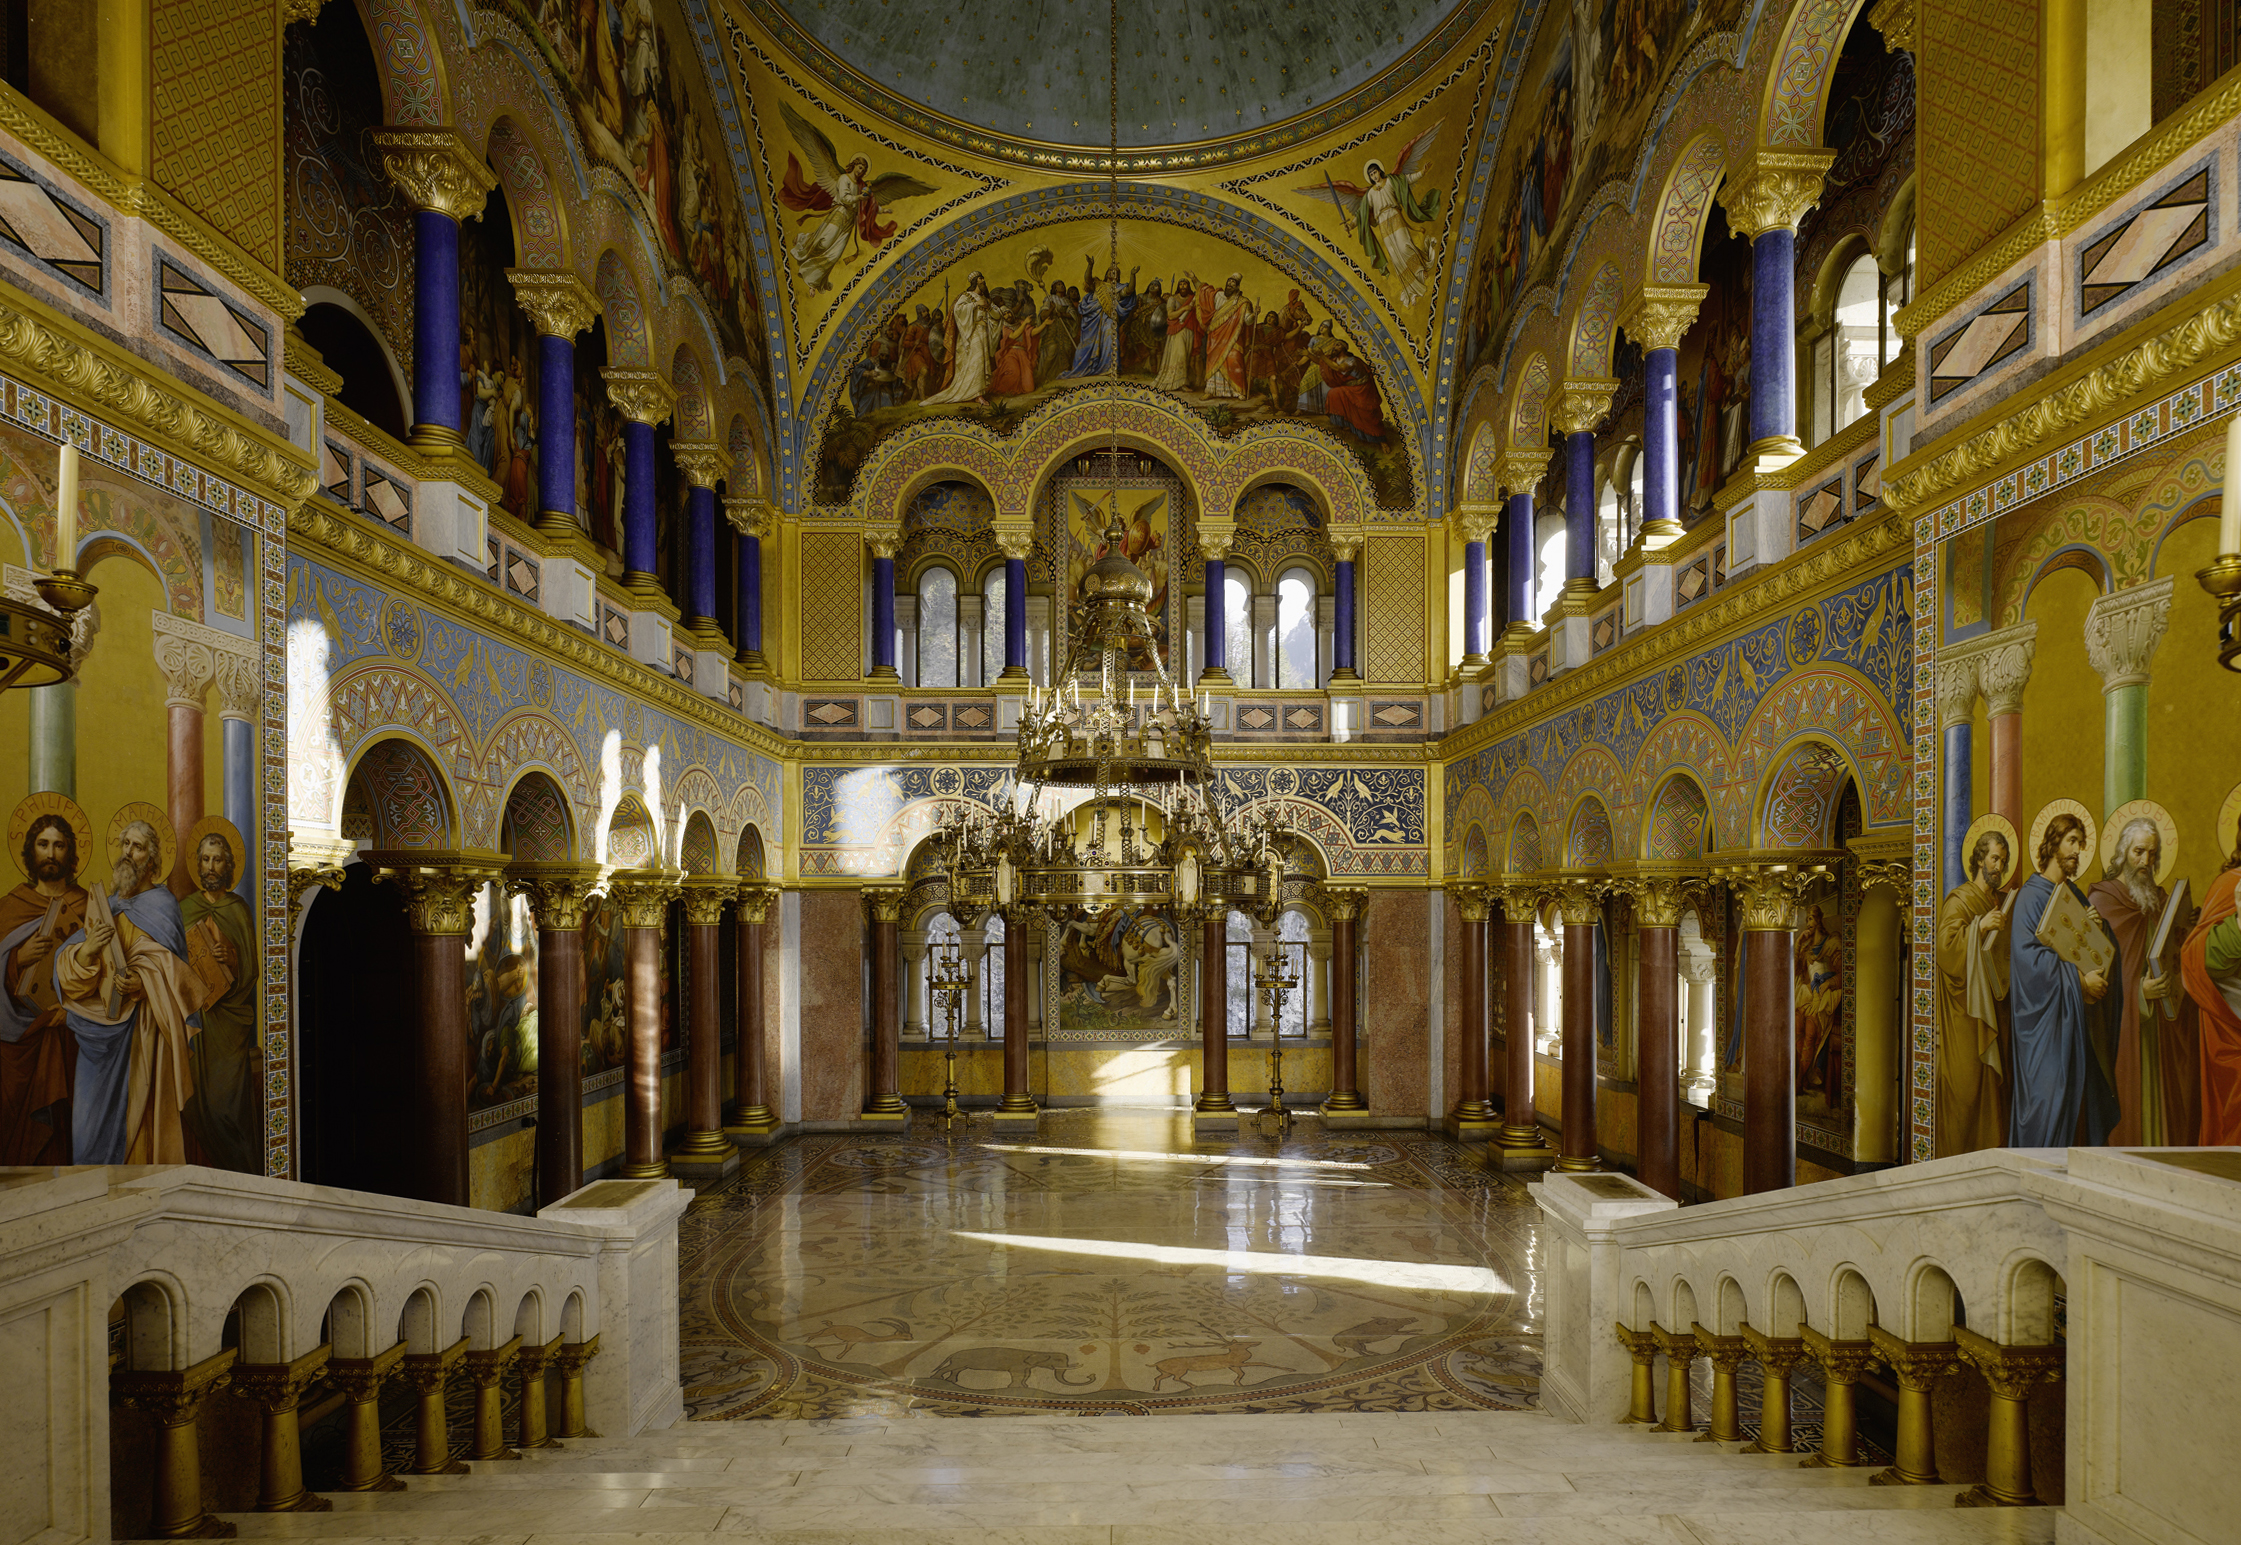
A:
x: 1274, y: 978
x: 948, y: 980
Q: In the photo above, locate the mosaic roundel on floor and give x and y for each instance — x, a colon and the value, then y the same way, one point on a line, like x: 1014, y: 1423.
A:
x: 1108, y: 1265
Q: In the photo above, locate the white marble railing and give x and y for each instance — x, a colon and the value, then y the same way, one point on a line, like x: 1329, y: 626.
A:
x: 354, y: 1287
x: 2115, y: 1273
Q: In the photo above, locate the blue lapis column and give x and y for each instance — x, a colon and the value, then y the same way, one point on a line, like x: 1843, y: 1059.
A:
x: 883, y: 609
x: 561, y: 307
x: 644, y: 400
x: 445, y: 183
x: 1765, y: 201
x: 700, y: 560
x: 1217, y: 618
x: 1342, y: 615
x: 747, y: 519
x: 1015, y: 615
x: 1474, y: 599
x: 1661, y: 448
x: 1579, y: 512
x: 1957, y: 693
x: 1519, y: 601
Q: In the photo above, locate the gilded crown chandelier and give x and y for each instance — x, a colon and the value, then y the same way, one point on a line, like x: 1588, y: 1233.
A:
x: 1112, y: 801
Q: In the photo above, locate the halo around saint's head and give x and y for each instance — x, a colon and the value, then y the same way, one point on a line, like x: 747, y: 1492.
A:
x: 2226, y: 839
x: 1993, y: 821
x: 167, y: 836
x: 230, y: 834
x: 2141, y: 810
x: 2048, y: 812
x: 34, y: 806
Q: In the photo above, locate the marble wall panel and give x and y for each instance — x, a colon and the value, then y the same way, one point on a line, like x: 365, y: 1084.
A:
x: 831, y: 971
x: 1393, y: 1059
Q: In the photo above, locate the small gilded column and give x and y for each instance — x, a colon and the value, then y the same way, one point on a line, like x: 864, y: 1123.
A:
x: 1659, y: 897
x: 1680, y: 1349
x: 1660, y: 318
x: 751, y: 1116
x: 572, y: 1356
x: 2011, y: 1373
x: 1475, y: 523
x: 488, y: 1371
x: 644, y: 399
x: 883, y: 1100
x: 560, y: 306
x: 1018, y: 1103
x: 1842, y: 1363
x: 1725, y: 1354
x: 1777, y: 1357
x: 558, y: 894
x: 446, y: 182
x: 530, y: 1428
x: 706, y: 1153
x: 1917, y: 1366
x: 1522, y: 1146
x: 1344, y: 905
x: 1015, y: 545
x: 644, y: 897
x: 1765, y: 198
x: 1345, y: 545
x: 750, y: 518
x: 360, y: 1380
x: 2121, y: 634
x: 427, y: 1375
x: 275, y: 1389
x: 1580, y: 407
x: 438, y: 890
x: 884, y: 545
x: 1641, y: 1346
x: 1472, y: 1118
x: 1213, y: 1002
x: 173, y: 1400
x: 1767, y: 889
x: 1578, y: 903
x: 702, y: 464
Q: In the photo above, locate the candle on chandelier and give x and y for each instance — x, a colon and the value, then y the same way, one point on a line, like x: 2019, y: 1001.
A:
x: 66, y: 509
x: 2229, y: 515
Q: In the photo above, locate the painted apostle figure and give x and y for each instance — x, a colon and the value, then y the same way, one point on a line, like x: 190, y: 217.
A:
x: 2210, y: 963
x: 1973, y: 1003
x: 2157, y: 1074
x: 2065, y: 1023
x: 1386, y: 213
x: 37, y: 1056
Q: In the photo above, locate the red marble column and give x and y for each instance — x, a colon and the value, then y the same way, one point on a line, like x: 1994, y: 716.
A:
x: 1658, y: 1046
x: 438, y: 889
x: 751, y: 1110
x: 645, y: 906
x: 1213, y: 1012
x: 883, y: 1100
x: 705, y: 1143
x: 1521, y: 1141
x: 1345, y: 906
x: 1471, y: 1119
x: 1576, y: 1141
x: 558, y: 895
x: 1018, y: 1098
x: 1768, y: 892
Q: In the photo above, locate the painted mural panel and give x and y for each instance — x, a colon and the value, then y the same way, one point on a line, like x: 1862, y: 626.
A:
x: 129, y: 943
x: 1052, y: 308
x: 2088, y: 962
x: 1120, y: 969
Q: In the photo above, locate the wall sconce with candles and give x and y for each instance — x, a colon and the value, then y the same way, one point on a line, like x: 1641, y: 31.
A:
x: 35, y: 644
x: 2223, y: 577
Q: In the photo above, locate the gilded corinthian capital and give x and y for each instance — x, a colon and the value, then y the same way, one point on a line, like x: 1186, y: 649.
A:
x: 1519, y: 472
x: 1773, y: 190
x: 559, y: 892
x: 436, y: 170
x: 438, y: 886
x: 1581, y: 405
x: 1660, y: 894
x: 641, y: 396
x: 1475, y: 522
x: 1895, y: 20
x: 1015, y: 541
x: 1769, y: 886
x: 1662, y: 314
x: 700, y: 461
x: 748, y: 517
x: 560, y: 304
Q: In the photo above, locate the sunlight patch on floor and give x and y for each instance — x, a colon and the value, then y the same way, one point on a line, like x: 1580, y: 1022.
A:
x: 1421, y: 1276
x: 1245, y: 1159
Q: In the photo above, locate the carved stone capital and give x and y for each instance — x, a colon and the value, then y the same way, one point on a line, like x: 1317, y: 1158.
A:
x: 1779, y: 1355
x: 1581, y: 405
x: 1475, y: 522
x: 641, y: 396
x: 1659, y: 896
x: 438, y: 886
x: 187, y: 666
x: 559, y: 893
x: 1470, y: 901
x: 644, y: 895
x: 705, y: 895
x: 435, y: 169
x: 1917, y: 1365
x: 1346, y: 542
x: 1895, y: 20
x: 2002, y: 662
x: 426, y: 1373
x: 274, y: 1388
x: 700, y: 461
x: 885, y: 902
x: 1343, y: 903
x: 173, y: 1397
x: 1956, y: 690
x: 1521, y: 901
x: 1726, y: 1353
x: 1677, y: 1345
x: 1662, y: 314
x: 316, y: 861
x: 1579, y: 898
x: 1015, y: 542
x: 241, y: 685
x: 1842, y: 1362
x: 571, y: 1356
x: 747, y: 516
x: 558, y: 303
x: 884, y: 542
x: 1773, y: 190
x: 1641, y: 1345
x: 1519, y: 472
x: 1769, y: 888
x: 755, y: 902
x: 360, y: 1378
x: 488, y: 1367
x: 2122, y: 630
x: 2011, y: 1372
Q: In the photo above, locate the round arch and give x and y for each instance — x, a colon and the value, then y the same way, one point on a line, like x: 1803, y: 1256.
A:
x: 407, y: 800
x: 1795, y: 803
x: 537, y: 825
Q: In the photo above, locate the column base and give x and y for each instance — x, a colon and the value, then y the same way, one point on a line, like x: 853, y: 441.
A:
x: 883, y: 673
x: 644, y: 588
x: 1013, y: 673
x: 1569, y: 1165
x: 1521, y: 1150
x: 1205, y: 1121
x: 1982, y: 1495
x: 1215, y: 676
x: 1820, y: 1461
x: 884, y: 1111
x: 705, y: 1156
x: 1345, y: 1102
x: 557, y: 523
x: 1466, y: 1126
x: 1344, y: 673
x: 382, y: 1482
x: 208, y: 1527
x: 439, y: 440
x: 658, y: 1170
x: 752, y: 660
x: 753, y: 1126
x: 1027, y: 1118
x: 312, y: 1502
x: 448, y: 1467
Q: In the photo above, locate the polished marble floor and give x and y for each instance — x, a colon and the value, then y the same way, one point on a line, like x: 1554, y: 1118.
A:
x: 1109, y: 1264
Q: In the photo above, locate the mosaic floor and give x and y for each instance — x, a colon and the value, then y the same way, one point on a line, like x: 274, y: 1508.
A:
x: 1109, y: 1265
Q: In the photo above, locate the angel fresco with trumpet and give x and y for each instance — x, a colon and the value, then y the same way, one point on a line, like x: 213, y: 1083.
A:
x: 1386, y: 213
x: 839, y: 205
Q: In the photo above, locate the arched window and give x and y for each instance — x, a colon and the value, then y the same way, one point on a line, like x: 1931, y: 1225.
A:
x: 937, y: 628
x: 1237, y: 625
x: 1548, y: 532
x: 992, y: 626
x: 1295, y: 629
x: 1238, y: 1007
x: 1291, y: 942
x: 1862, y: 338
x: 992, y: 971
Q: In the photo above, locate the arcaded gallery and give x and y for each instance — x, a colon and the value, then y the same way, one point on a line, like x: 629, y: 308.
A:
x: 1410, y: 772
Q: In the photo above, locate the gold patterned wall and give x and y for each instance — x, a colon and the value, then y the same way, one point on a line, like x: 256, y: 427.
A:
x: 1394, y: 644
x: 832, y: 606
x: 1978, y: 124
x: 216, y: 128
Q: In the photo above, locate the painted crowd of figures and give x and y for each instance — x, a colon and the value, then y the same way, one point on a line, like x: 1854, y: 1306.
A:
x: 2101, y: 1014
x: 128, y: 1019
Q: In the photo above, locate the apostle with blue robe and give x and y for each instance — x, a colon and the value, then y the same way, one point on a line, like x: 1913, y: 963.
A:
x: 1105, y: 307
x: 2065, y: 1021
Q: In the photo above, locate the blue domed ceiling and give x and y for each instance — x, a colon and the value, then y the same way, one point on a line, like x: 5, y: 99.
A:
x: 1036, y: 72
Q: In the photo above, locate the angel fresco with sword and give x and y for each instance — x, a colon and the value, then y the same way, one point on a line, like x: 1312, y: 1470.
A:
x: 839, y: 205
x: 1385, y: 214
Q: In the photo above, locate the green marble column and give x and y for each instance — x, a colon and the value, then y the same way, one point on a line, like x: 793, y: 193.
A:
x: 54, y: 739
x: 2121, y: 634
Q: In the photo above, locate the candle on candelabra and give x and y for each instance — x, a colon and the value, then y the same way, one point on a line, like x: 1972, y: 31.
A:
x: 66, y: 509
x: 2229, y: 513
